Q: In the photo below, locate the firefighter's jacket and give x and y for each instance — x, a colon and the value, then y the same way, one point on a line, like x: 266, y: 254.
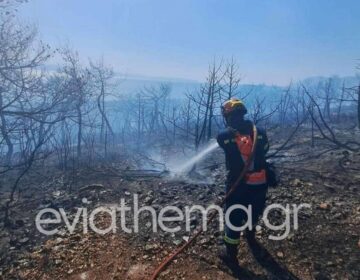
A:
x: 231, y: 140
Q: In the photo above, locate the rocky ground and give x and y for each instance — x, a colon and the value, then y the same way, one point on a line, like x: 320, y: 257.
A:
x: 326, y: 245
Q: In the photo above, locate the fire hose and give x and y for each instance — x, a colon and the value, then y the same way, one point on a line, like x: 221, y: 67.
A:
x: 234, y: 186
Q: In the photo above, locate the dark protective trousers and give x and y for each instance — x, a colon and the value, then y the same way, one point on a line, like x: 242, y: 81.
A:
x: 244, y: 195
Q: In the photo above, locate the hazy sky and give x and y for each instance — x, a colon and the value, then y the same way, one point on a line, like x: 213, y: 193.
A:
x: 274, y: 41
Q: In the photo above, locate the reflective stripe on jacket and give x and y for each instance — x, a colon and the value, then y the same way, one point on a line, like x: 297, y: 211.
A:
x: 256, y: 178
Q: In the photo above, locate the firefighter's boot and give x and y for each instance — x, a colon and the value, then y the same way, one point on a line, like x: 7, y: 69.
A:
x: 250, y: 236
x: 228, y: 255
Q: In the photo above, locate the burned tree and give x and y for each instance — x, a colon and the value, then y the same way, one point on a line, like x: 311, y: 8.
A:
x: 324, y: 128
x: 260, y: 113
x: 29, y: 107
x: 20, y: 58
x: 78, y: 79
x: 101, y: 76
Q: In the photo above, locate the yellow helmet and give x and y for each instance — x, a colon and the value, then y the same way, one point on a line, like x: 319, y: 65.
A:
x: 233, y: 105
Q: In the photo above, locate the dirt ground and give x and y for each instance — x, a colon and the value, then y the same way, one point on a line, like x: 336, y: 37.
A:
x: 325, y: 246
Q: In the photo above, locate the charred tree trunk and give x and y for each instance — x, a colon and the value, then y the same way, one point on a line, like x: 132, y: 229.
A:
x: 312, y: 128
x: 79, y: 134
x: 358, y: 106
x: 341, y: 102
x: 4, y: 133
x: 188, y: 109
x: 211, y: 115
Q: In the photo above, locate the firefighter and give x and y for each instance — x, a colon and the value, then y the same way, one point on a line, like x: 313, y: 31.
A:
x: 237, y: 141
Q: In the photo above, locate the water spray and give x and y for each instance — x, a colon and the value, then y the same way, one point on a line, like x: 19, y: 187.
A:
x: 185, y: 167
